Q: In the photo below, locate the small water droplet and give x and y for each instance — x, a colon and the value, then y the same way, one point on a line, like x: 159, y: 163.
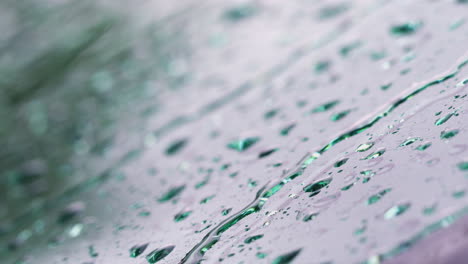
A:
x: 376, y: 197
x: 226, y: 211
x: 266, y: 153
x: 286, y: 130
x: 374, y: 155
x: 310, y: 217
x: 286, y: 258
x: 409, y: 141
x: 316, y: 187
x: 92, y: 252
x: 252, y: 239
x: 238, y: 13
x: 396, y: 210
x: 158, y: 254
x: 171, y: 193
x: 448, y: 134
x: 423, y: 147
x: 340, y: 115
x: 463, y: 166
x: 340, y: 163
x: 325, y: 107
x: 405, y: 29
x: 364, y: 147
x: 444, y: 119
x: 176, y: 146
x: 182, y: 216
x: 243, y: 144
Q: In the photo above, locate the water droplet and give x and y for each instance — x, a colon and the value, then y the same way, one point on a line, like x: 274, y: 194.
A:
x: 347, y: 187
x: 448, y: 134
x: 144, y: 213
x: 325, y: 107
x: 444, y: 119
x: 374, y: 155
x: 239, y: 13
x: 332, y: 11
x: 270, y: 114
x: 252, y: 239
x: 182, y: 216
x: 285, y: 131
x: 386, y: 86
x: 423, y: 147
x: 463, y: 166
x: 266, y: 153
x: 340, y: 115
x: 316, y: 187
x: 92, y: 252
x: 207, y: 199
x: 376, y: 197
x: 286, y: 258
x: 226, y: 211
x: 76, y: 230
x: 159, y: 254
x: 71, y: 212
x: 310, y: 217
x: 405, y: 29
x: 409, y: 141
x: 171, y: 193
x: 430, y: 209
x: 361, y: 230
x: 243, y: 144
x: 364, y: 147
x: 341, y: 162
x: 396, y: 210
x: 345, y: 50
x: 176, y: 146
x: 458, y: 194
x: 322, y: 66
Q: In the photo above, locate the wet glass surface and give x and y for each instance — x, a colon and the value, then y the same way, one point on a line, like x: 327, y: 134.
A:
x: 231, y: 131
